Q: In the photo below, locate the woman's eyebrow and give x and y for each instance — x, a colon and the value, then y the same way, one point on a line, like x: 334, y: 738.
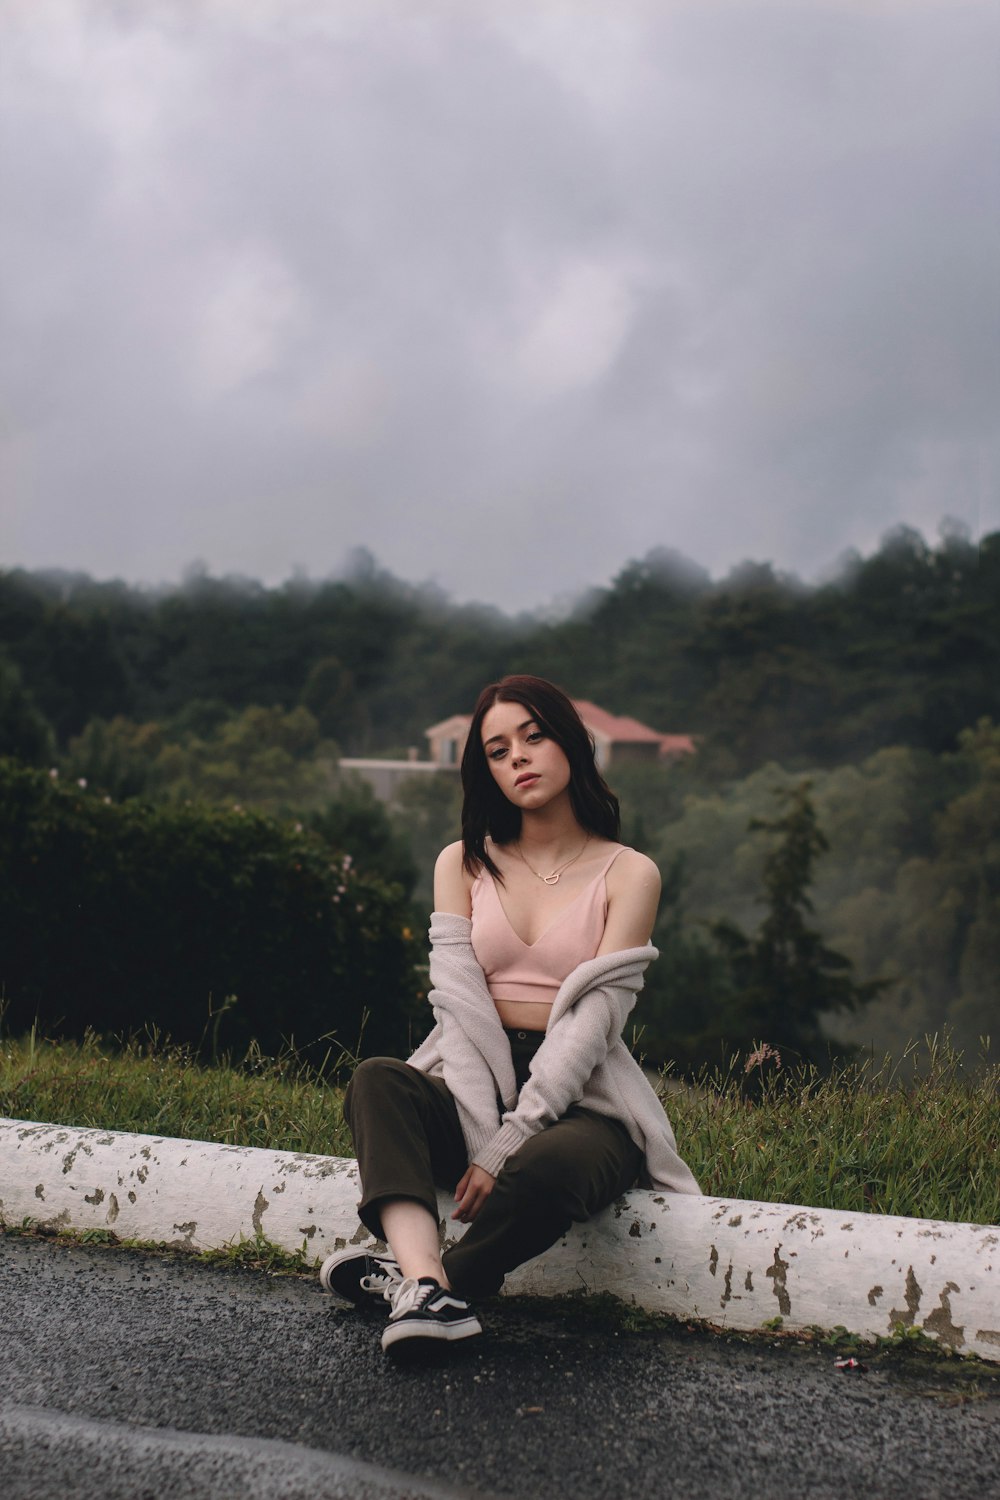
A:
x: 503, y: 736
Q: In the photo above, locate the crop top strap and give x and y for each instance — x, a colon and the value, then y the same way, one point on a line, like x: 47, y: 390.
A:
x: 610, y: 861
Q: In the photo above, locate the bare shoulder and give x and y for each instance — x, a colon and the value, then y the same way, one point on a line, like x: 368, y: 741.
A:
x: 633, y: 872
x: 452, y: 882
x: 449, y: 861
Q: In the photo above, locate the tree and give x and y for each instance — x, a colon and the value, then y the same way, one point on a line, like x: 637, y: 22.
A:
x: 686, y: 990
x: 118, y: 758
x: 25, y: 733
x: 357, y: 823
x: 331, y: 697
x: 265, y: 757
x: 784, y: 979
x: 428, y: 813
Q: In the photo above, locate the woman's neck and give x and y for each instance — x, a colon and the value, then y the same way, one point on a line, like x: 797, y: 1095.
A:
x: 551, y: 830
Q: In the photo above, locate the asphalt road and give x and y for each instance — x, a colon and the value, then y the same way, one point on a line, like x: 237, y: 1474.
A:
x: 125, y: 1376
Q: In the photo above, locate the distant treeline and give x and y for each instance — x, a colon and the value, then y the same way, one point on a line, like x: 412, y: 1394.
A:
x: 187, y: 835
x: 900, y: 648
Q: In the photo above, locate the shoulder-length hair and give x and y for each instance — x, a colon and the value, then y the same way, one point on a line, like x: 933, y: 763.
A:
x: 485, y: 809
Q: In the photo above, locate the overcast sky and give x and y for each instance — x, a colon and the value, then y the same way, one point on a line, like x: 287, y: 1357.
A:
x: 507, y: 291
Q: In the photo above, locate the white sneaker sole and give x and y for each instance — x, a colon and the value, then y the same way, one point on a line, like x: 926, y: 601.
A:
x: 405, y: 1331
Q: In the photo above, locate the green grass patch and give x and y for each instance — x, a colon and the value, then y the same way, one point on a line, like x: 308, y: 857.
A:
x: 920, y: 1137
x: 157, y: 1089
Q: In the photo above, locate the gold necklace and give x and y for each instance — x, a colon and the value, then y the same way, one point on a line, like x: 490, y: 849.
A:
x: 553, y: 876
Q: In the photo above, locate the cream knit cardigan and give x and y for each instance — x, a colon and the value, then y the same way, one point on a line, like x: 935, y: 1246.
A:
x: 582, y: 1060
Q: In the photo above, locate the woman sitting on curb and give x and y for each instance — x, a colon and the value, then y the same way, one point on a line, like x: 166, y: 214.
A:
x: 525, y: 1093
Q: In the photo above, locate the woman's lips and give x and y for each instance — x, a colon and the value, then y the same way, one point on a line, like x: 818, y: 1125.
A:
x: 526, y: 779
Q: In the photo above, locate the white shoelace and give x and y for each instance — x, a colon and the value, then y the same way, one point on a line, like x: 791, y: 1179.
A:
x: 382, y: 1281
x: 408, y: 1295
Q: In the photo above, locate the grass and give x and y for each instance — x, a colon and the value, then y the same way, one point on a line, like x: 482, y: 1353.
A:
x: 158, y: 1089
x: 919, y: 1137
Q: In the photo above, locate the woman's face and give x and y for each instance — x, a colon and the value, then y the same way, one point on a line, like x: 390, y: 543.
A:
x: 528, y: 767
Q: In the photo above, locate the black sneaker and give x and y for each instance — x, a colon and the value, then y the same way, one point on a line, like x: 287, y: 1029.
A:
x: 424, y: 1310
x: 355, y: 1276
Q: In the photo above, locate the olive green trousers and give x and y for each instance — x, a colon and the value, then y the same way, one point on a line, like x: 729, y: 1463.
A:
x: 408, y: 1142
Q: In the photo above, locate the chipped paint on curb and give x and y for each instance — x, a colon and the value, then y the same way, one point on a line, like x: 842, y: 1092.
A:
x: 733, y: 1263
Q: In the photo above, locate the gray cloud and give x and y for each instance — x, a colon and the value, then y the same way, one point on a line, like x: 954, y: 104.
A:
x: 507, y: 293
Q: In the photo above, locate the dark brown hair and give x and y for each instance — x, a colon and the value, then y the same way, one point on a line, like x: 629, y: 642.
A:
x: 485, y: 809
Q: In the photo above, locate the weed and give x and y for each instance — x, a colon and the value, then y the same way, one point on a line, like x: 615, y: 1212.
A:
x: 259, y: 1254
x: 909, y: 1336
x: 839, y: 1338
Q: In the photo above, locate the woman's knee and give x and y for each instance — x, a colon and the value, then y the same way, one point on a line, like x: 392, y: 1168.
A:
x: 371, y: 1079
x: 574, y: 1172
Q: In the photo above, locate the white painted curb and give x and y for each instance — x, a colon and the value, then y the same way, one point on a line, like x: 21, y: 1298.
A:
x: 733, y: 1263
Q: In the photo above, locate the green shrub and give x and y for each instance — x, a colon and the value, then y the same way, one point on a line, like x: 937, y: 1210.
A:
x: 121, y: 917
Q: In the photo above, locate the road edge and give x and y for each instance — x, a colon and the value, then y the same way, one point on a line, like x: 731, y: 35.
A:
x: 733, y: 1263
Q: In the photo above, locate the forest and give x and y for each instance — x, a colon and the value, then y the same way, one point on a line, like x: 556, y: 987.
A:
x: 830, y: 855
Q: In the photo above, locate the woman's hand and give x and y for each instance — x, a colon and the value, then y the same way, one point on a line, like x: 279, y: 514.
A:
x: 472, y: 1192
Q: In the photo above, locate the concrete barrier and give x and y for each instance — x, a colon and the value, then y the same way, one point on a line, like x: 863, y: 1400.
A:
x: 733, y: 1263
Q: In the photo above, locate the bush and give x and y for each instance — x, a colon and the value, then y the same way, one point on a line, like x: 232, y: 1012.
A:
x: 121, y: 917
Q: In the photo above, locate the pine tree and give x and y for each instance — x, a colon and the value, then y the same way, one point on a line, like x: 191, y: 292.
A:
x: 784, y: 979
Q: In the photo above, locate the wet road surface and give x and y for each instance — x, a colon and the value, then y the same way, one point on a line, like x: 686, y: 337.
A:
x: 131, y: 1375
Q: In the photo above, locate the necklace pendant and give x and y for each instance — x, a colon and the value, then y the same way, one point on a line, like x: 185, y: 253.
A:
x: 553, y: 877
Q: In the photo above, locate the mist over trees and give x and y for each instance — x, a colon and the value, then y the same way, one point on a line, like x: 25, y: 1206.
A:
x: 899, y: 648
x: 882, y: 685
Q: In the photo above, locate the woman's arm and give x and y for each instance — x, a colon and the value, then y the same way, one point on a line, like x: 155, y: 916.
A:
x: 633, y: 886
x: 452, y: 882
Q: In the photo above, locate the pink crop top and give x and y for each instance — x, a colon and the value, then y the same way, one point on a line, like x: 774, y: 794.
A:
x: 516, y: 970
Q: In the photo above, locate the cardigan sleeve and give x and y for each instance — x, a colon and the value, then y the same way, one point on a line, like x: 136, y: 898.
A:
x: 470, y: 1083
x: 575, y: 1045
x: 471, y: 1055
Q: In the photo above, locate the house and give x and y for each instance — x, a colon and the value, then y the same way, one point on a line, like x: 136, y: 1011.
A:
x: 618, y: 739
x: 447, y: 740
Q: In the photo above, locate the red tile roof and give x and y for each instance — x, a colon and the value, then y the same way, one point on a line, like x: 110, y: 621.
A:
x: 617, y: 727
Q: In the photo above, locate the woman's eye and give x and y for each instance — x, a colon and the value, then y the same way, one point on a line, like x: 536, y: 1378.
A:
x: 496, y: 754
x: 536, y: 734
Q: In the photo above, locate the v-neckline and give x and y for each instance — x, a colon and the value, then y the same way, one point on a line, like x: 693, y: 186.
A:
x: 555, y: 920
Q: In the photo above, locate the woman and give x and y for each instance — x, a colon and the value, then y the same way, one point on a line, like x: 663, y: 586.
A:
x: 524, y: 1094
